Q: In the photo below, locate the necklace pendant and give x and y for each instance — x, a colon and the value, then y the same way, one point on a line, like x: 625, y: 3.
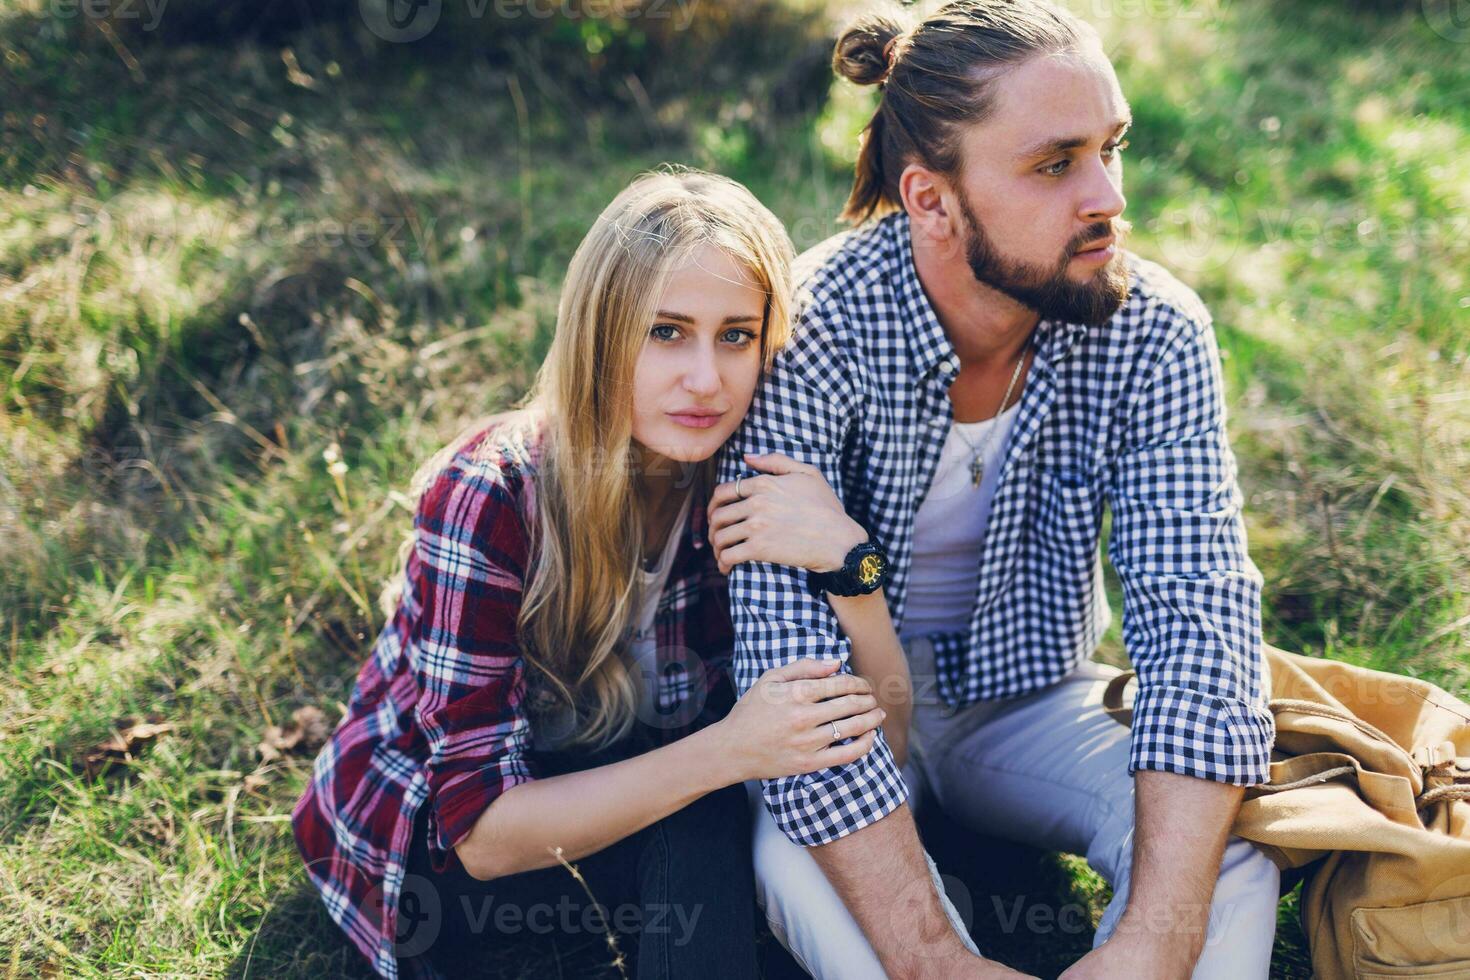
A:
x: 977, y: 469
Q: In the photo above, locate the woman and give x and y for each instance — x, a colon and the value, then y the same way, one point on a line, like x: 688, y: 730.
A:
x: 552, y: 689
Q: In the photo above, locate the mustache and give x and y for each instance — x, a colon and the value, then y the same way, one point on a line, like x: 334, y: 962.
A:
x: 1117, y: 228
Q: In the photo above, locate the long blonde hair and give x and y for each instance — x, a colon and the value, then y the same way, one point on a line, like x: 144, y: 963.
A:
x: 579, y: 603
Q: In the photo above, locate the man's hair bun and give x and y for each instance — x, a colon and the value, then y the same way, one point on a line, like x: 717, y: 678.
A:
x: 861, y: 55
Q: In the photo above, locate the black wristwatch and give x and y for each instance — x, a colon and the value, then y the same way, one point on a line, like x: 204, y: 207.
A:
x: 864, y: 571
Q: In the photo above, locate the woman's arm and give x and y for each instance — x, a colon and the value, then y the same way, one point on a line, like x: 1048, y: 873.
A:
x: 782, y: 726
x: 580, y: 813
x: 791, y: 516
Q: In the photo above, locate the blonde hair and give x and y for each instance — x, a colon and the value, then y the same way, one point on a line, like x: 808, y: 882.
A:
x: 587, y: 532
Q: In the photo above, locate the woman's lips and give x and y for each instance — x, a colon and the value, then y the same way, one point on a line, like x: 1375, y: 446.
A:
x: 696, y: 421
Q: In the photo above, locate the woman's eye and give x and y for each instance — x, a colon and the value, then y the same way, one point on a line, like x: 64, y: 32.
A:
x: 671, y: 335
x: 740, y: 338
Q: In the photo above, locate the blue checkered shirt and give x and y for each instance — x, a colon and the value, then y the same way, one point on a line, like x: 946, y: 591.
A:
x: 1130, y: 414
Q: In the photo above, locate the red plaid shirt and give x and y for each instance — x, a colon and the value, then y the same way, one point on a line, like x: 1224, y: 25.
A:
x: 438, y: 714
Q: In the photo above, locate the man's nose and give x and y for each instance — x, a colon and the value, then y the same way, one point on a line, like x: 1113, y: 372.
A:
x: 1105, y: 199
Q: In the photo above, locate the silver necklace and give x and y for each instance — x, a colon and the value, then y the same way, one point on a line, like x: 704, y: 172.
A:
x: 977, y: 454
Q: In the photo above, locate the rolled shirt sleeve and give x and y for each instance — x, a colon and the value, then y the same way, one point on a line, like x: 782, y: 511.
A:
x: 1191, y: 594
x: 776, y: 618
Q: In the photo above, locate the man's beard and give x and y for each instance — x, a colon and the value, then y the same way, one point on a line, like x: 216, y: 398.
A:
x: 1049, y: 291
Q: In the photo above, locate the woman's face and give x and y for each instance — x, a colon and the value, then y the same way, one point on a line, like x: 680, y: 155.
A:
x: 700, y: 363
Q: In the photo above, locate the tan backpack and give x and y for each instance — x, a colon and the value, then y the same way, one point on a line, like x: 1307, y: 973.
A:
x: 1370, y: 780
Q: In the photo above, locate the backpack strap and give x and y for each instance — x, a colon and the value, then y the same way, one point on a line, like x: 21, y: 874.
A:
x: 1113, y: 699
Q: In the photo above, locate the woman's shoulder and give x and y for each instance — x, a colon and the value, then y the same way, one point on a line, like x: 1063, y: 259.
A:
x: 507, y: 445
x: 488, y: 470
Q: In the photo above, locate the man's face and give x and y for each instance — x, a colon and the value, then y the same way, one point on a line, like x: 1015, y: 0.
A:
x: 1042, y: 188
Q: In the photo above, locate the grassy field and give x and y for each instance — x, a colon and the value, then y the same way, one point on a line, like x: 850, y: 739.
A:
x: 245, y: 289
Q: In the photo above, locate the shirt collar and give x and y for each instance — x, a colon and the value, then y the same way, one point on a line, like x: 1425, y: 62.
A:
x: 928, y: 345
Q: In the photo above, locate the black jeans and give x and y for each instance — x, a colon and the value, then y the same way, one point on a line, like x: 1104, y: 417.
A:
x: 684, y: 887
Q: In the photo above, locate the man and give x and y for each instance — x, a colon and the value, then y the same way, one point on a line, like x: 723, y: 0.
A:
x: 979, y: 368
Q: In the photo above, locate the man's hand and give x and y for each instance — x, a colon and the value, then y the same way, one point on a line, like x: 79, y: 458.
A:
x: 1135, y: 956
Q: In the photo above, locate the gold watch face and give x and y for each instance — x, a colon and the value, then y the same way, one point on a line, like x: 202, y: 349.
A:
x: 869, y: 569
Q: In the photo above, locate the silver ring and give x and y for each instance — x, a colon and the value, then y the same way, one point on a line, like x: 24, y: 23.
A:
x: 836, y: 735
x: 737, y: 486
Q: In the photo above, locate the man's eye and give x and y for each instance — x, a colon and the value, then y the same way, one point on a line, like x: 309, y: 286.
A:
x: 1060, y: 167
x: 673, y: 331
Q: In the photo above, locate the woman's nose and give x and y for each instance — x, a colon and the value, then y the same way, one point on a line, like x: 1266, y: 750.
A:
x: 702, y: 377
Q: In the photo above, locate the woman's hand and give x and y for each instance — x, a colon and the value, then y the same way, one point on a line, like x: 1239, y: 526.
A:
x: 782, y: 726
x: 788, y: 516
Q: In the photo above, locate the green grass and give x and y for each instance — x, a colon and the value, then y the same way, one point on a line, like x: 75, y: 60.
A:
x: 219, y: 273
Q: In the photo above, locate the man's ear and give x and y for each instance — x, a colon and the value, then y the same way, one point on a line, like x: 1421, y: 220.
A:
x: 925, y: 197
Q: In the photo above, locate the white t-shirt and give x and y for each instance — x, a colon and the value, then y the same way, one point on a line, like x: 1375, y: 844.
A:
x: 644, y: 644
x: 945, y: 570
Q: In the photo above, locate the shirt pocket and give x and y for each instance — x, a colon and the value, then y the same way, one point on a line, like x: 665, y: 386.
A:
x: 1068, y: 507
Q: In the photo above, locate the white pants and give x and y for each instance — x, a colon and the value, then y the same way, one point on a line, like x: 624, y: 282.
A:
x: 1049, y: 769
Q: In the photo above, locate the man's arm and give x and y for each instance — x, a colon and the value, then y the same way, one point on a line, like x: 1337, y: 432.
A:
x: 877, y: 655
x: 881, y: 875
x: 1181, y: 825
x: 854, y: 817
x: 1191, y: 625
